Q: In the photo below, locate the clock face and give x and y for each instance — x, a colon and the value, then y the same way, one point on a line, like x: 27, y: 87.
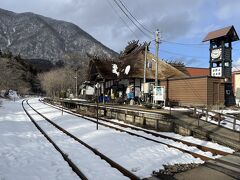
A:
x: 216, y: 53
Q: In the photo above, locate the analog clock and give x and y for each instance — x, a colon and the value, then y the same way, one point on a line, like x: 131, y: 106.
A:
x: 216, y: 53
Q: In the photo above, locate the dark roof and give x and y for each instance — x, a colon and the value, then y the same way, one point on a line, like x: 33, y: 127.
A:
x: 227, y: 32
x: 101, y: 69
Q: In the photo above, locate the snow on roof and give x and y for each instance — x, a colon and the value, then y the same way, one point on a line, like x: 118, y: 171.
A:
x: 114, y: 69
x: 127, y: 69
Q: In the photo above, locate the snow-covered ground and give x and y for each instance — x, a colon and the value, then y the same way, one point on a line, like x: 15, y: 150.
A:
x: 227, y: 122
x: 174, y: 135
x: 189, y: 139
x: 90, y: 164
x: 24, y: 151
x: 26, y: 154
x: 135, y: 154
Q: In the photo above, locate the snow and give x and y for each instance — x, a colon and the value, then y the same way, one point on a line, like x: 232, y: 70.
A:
x: 227, y: 122
x: 166, y: 141
x: 114, y: 69
x: 177, y: 136
x: 135, y: 154
x: 199, y: 142
x: 26, y: 154
x: 127, y: 69
x: 90, y: 164
x: 13, y: 95
x: 9, y: 43
x: 175, y: 108
x: 185, y: 138
x: 24, y: 151
x: 75, y: 99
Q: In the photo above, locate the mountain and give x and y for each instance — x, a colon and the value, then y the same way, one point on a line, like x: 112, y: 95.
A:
x: 37, y: 37
x: 16, y: 74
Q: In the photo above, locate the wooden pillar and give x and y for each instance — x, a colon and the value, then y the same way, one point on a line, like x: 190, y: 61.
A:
x: 134, y: 119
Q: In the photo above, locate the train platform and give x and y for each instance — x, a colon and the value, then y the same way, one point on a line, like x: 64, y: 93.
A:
x: 212, y: 131
x: 224, y: 168
x: 198, y: 127
x: 180, y: 118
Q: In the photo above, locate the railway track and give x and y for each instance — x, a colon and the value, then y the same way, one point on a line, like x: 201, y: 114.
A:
x: 74, y: 167
x: 106, y: 123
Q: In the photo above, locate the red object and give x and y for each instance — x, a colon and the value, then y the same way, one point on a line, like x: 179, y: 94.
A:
x: 193, y: 71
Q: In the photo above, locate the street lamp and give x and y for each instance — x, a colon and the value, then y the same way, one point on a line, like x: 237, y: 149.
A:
x: 97, y: 87
x: 76, y: 84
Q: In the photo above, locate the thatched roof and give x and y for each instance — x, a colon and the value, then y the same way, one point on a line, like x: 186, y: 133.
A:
x: 134, y: 60
x: 101, y: 69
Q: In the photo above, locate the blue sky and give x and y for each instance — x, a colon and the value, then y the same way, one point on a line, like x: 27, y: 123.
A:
x: 183, y: 21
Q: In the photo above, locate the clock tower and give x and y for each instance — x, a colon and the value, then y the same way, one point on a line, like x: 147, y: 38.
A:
x: 220, y: 62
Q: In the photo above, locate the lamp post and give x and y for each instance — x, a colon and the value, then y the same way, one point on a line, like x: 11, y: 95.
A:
x: 76, y: 85
x: 97, y: 87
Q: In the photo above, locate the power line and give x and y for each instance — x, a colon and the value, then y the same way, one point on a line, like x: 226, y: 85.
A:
x: 179, y: 54
x: 184, y: 44
x: 124, y: 22
x: 131, y: 19
x: 144, y: 27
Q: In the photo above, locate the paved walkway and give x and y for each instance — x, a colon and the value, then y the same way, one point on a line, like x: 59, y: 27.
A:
x: 224, y: 168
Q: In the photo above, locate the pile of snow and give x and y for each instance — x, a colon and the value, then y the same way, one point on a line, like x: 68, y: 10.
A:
x: 127, y: 69
x: 114, y: 69
x: 238, y: 102
x: 176, y: 108
x: 13, y: 95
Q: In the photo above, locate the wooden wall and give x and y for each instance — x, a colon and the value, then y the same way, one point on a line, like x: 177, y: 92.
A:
x: 196, y: 91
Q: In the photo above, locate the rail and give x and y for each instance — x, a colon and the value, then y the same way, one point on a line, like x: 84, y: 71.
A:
x: 102, y: 156
x: 204, y: 148
x: 65, y: 156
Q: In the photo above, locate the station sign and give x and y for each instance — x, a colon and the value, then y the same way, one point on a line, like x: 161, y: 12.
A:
x: 159, y: 93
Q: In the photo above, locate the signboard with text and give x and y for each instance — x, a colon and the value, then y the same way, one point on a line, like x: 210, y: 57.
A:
x: 159, y: 93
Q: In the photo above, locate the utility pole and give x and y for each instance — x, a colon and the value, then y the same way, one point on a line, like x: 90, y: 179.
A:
x: 145, y: 64
x: 97, y: 88
x: 144, y: 74
x: 157, y: 47
x: 76, y: 84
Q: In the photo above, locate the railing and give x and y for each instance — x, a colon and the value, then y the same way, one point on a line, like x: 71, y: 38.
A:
x: 197, y: 112
x: 217, y: 117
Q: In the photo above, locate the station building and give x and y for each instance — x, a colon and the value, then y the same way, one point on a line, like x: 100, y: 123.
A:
x: 185, y: 86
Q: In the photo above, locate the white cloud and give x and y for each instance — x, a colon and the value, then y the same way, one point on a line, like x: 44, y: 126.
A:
x: 228, y: 9
x: 177, y: 19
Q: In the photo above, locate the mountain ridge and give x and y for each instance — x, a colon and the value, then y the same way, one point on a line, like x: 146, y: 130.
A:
x: 35, y: 36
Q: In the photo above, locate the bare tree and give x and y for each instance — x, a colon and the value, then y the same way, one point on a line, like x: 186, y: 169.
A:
x: 58, y: 81
x: 12, y: 76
